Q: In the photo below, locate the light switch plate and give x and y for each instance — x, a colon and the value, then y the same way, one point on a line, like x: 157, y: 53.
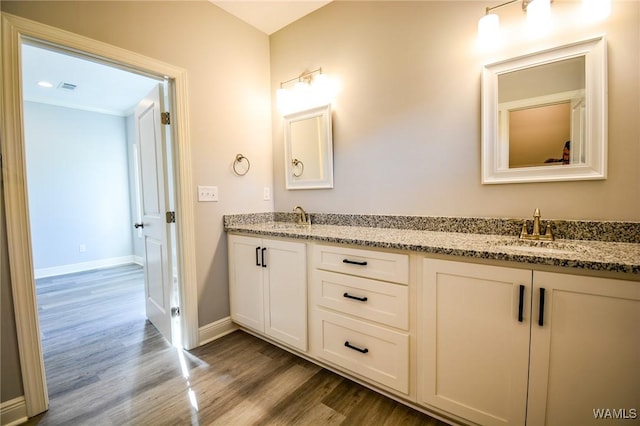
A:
x: 207, y: 193
x: 266, y: 193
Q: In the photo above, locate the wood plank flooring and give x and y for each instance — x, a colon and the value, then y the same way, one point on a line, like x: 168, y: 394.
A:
x: 107, y: 365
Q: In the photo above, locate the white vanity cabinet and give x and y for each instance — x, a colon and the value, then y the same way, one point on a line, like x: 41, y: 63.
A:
x: 268, y: 287
x: 490, y: 352
x: 359, y: 313
x: 585, y: 353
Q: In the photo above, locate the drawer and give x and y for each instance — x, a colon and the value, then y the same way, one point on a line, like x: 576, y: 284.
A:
x: 368, y: 299
x: 377, y: 353
x: 378, y: 265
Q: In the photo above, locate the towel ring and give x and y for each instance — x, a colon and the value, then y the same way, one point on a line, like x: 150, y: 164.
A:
x: 300, y: 165
x: 237, y: 161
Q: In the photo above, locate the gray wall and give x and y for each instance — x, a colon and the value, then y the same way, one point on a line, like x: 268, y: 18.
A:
x: 78, y: 179
x: 407, y: 119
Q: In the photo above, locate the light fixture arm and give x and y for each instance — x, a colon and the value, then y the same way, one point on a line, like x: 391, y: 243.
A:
x: 489, y: 9
x: 306, y: 75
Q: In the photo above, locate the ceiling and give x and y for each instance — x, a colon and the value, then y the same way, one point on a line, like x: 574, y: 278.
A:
x: 269, y: 16
x: 99, y: 87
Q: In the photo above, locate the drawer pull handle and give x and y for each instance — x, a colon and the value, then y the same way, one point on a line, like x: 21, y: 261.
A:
x: 355, y: 348
x: 521, y: 304
x: 257, y: 256
x: 264, y: 264
x: 354, y: 262
x: 362, y: 299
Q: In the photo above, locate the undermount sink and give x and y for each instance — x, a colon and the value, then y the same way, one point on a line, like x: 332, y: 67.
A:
x: 286, y: 226
x: 539, y: 247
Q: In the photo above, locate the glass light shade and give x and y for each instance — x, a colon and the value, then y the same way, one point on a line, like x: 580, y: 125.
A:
x: 283, y: 99
x: 538, y: 12
x: 488, y: 30
x: 595, y: 10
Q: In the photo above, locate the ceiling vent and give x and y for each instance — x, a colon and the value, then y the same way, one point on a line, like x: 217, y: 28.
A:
x: 67, y: 86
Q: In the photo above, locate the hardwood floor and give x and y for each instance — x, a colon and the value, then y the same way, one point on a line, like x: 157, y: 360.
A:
x: 107, y: 365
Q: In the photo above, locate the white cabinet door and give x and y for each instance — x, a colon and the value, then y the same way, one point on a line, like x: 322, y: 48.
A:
x: 473, y: 349
x: 246, y: 289
x: 268, y: 287
x: 285, y: 295
x: 585, y: 352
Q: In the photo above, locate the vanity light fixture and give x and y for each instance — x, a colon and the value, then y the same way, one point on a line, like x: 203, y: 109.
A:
x: 538, y: 12
x: 538, y: 17
x: 311, y: 89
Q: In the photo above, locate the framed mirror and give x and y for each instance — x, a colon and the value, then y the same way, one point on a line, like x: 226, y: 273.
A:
x: 308, y: 149
x: 544, y: 115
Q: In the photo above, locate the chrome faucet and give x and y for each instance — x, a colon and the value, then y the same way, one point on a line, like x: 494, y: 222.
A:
x: 303, y: 218
x: 535, y: 235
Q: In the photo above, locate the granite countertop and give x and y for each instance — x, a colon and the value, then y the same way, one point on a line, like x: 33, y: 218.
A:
x: 619, y: 257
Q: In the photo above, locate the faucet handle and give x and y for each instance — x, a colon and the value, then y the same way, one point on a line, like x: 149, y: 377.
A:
x: 524, y: 232
x: 548, y: 233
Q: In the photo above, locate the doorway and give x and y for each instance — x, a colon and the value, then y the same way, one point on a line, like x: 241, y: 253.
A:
x: 15, y: 31
x: 83, y: 161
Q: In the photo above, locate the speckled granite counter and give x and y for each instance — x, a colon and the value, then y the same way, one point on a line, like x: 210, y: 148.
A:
x: 609, y: 256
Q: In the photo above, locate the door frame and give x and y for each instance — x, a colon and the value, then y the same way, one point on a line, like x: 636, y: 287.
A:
x: 14, y: 31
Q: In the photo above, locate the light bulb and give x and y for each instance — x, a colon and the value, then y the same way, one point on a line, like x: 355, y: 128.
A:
x: 595, y: 10
x: 539, y: 16
x: 283, y: 99
x: 488, y: 30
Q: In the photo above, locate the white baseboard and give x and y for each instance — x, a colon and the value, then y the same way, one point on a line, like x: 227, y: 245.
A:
x: 215, y: 330
x: 84, y: 266
x: 138, y: 260
x: 13, y: 412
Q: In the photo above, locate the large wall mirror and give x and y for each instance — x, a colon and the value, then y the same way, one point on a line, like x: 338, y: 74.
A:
x: 544, y: 115
x: 308, y: 146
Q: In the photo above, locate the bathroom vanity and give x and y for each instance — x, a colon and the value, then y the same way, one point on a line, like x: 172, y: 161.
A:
x: 472, y: 328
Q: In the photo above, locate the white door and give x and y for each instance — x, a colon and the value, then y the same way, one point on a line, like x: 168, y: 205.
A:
x: 154, y: 202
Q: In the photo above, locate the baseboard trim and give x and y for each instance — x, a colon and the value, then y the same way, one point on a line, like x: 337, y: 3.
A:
x: 13, y: 412
x: 138, y: 260
x: 215, y: 330
x: 84, y: 266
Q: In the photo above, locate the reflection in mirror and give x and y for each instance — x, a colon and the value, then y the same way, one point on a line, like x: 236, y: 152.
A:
x: 544, y: 115
x: 308, y: 149
x: 541, y: 118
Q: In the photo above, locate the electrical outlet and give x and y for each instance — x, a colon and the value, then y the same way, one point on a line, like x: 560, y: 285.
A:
x: 267, y: 193
x: 82, y: 248
x: 207, y: 193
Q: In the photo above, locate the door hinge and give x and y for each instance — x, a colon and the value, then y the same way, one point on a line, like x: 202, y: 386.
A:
x: 165, y: 118
x: 175, y: 311
x: 171, y: 217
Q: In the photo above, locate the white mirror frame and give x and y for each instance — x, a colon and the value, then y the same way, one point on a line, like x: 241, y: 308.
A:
x: 495, y: 149
x: 326, y: 149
